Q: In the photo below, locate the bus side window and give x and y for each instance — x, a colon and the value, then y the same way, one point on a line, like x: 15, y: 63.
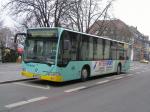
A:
x: 121, y: 52
x: 106, y: 49
x: 95, y: 48
x: 100, y: 49
x: 113, y: 50
x: 84, y: 50
x: 74, y: 45
x: 66, y: 54
x: 67, y: 45
x: 126, y: 55
x: 64, y: 51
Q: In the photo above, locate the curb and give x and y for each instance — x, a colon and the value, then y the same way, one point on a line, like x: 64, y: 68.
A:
x: 19, y: 80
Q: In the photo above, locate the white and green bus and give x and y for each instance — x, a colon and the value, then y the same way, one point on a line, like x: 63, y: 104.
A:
x: 58, y: 54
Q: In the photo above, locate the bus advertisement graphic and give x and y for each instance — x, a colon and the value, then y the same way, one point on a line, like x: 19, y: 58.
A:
x: 102, y: 66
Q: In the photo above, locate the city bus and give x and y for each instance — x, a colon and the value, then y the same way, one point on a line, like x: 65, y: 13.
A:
x: 59, y: 54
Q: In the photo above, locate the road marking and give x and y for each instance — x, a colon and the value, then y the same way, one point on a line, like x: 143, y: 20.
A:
x: 98, y: 83
x: 133, y: 68
x: 118, y: 78
x: 28, y: 85
x: 75, y: 89
x: 37, y: 99
x: 138, y: 72
x: 130, y: 74
x: 17, y: 104
x: 102, y: 82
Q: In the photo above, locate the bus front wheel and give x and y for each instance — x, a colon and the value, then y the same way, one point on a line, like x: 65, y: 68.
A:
x: 84, y: 74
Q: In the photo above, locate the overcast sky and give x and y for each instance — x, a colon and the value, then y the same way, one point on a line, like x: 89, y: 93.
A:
x: 132, y: 12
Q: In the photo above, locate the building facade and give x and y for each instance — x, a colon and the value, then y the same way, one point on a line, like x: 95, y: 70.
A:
x: 140, y: 45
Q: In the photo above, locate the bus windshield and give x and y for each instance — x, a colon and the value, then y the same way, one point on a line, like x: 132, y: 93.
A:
x: 40, y: 50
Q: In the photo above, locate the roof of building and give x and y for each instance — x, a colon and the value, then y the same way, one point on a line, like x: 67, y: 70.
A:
x: 115, y: 25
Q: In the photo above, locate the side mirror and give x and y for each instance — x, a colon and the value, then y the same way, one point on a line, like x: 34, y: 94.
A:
x: 19, y: 36
x: 67, y: 45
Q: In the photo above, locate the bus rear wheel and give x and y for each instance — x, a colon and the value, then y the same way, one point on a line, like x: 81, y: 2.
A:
x: 119, y: 69
x: 84, y: 74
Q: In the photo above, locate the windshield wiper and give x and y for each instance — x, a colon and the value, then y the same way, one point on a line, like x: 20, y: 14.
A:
x: 34, y: 60
x: 31, y: 60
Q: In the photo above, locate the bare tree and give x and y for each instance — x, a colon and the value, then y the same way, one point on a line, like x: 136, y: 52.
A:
x: 5, y: 37
x: 42, y: 13
x: 1, y: 23
x: 33, y: 12
x: 62, y: 8
x: 86, y: 12
x: 74, y: 14
x: 1, y: 35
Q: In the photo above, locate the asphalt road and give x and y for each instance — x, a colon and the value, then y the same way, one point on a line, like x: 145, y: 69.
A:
x: 124, y: 93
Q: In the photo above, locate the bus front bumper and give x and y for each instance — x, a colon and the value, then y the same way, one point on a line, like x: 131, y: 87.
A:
x: 54, y: 78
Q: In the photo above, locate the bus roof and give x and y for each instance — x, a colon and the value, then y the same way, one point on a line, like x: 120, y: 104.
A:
x: 61, y: 28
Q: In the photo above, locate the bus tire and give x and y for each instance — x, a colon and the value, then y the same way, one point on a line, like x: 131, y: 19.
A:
x: 119, y: 69
x: 84, y: 74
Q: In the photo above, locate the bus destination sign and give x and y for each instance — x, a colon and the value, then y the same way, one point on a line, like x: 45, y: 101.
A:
x: 42, y: 33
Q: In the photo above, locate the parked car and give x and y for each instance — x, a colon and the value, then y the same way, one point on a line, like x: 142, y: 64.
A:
x: 144, y: 61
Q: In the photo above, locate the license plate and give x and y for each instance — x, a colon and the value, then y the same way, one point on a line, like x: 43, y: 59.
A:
x: 36, y: 76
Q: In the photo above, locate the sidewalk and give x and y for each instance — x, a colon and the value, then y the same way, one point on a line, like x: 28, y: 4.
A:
x: 10, y: 72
